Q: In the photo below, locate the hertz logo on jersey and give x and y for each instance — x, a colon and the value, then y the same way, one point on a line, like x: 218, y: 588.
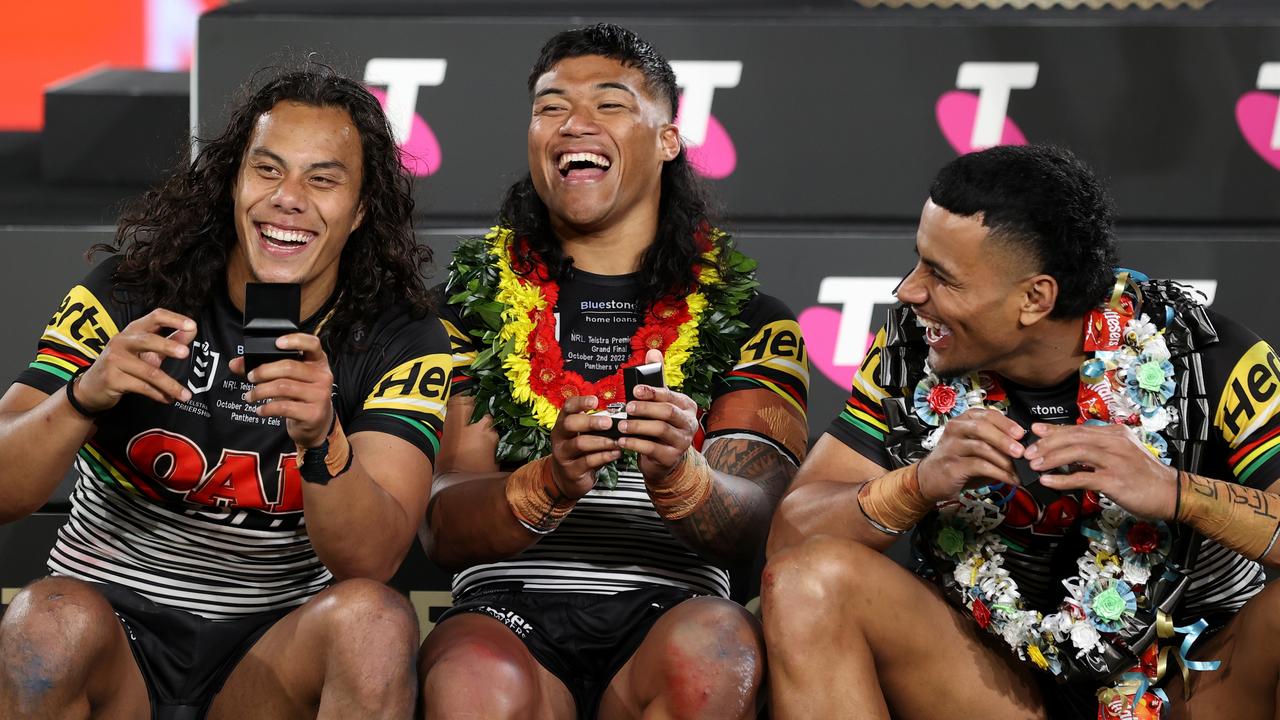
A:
x: 81, y: 323
x: 1251, y: 396
x: 419, y: 385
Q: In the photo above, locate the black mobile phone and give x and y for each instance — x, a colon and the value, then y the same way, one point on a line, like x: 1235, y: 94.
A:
x: 647, y: 374
x: 270, y: 311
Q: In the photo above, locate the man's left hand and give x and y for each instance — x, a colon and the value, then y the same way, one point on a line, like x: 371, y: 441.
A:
x: 660, y: 426
x: 300, y: 391
x: 1113, y: 462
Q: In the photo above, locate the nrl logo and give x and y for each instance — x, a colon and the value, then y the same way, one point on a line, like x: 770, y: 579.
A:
x: 204, y: 365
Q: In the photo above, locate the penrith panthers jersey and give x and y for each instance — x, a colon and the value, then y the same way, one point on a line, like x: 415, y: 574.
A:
x: 197, y: 505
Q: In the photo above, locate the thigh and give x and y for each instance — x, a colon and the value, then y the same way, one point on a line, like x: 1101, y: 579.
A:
x: 702, y: 658
x: 925, y: 654
x: 63, y: 649
x: 354, y: 626
x: 473, y: 663
x: 1245, y: 685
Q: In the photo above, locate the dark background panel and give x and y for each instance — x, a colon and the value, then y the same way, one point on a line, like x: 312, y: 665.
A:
x: 833, y: 119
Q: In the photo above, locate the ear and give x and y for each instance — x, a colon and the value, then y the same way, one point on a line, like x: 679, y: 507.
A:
x: 669, y: 138
x: 1039, y: 297
x: 359, y: 217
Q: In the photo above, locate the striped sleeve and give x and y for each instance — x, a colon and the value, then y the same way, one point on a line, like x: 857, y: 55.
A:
x: 76, y: 334
x: 861, y: 424
x: 406, y: 394
x: 773, y: 358
x: 1247, y: 410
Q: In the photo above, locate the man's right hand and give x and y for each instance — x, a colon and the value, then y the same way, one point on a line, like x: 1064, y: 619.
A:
x: 977, y: 448
x: 130, y: 363
x: 577, y: 453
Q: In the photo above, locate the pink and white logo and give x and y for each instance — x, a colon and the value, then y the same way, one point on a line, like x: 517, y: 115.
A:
x: 977, y: 121
x: 837, y: 339
x: 419, y: 150
x: 1257, y: 116
x: 711, y: 149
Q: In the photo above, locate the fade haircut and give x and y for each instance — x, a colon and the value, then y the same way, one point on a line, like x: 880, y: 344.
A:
x: 1044, y: 201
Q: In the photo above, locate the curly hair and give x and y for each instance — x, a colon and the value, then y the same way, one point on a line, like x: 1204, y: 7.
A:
x: 1045, y: 201
x: 175, y: 240
x: 684, y: 209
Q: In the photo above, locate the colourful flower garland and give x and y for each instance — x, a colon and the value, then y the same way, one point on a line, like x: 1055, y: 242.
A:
x: 1127, y: 381
x: 520, y: 375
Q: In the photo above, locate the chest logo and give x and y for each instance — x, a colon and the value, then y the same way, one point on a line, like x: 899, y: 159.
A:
x: 204, y: 365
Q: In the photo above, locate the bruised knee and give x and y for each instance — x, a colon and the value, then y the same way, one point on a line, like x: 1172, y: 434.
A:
x: 472, y: 676
x: 712, y: 661
x: 808, y: 588
x: 53, y: 630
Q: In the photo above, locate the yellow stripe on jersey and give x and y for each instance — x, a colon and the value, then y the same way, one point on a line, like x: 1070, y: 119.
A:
x: 420, y: 385
x: 777, y: 347
x: 1251, y: 396
x: 81, y: 323
x: 865, y: 380
x: 464, y: 353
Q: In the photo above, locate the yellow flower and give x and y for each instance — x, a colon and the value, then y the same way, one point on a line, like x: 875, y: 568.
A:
x: 1037, y: 657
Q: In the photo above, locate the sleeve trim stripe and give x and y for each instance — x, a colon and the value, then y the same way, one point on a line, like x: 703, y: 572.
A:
x: 73, y: 359
x: 46, y: 367
x: 862, y: 426
x: 869, y: 419
x: 425, y: 430
x: 853, y: 401
x: 1243, y: 473
x: 787, y: 393
x: 1248, y: 449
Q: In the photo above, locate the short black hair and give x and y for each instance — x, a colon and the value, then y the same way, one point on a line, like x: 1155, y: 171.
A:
x: 616, y: 43
x: 1047, y: 201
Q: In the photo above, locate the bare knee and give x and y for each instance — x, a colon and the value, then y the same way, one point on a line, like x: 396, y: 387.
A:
x: 806, y: 588
x: 371, y: 637
x: 713, y: 660
x: 474, y: 672
x: 51, y: 633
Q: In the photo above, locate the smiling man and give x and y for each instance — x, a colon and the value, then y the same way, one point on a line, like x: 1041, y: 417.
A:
x: 229, y: 536
x: 593, y: 576
x: 1088, y: 460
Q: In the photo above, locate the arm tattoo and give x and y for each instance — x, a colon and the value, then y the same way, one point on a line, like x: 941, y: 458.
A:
x: 751, y: 477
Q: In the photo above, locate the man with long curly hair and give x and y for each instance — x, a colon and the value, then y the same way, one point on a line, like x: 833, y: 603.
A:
x: 592, y: 568
x: 229, y: 536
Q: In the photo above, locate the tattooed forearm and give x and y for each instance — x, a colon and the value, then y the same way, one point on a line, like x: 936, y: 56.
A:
x: 750, y: 478
x: 1242, y: 518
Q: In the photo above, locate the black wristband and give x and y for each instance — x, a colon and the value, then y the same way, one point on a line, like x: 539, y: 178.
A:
x: 315, y: 470
x: 71, y: 396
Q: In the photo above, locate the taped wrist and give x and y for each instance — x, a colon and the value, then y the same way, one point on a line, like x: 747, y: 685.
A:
x: 893, y: 503
x: 534, y: 497
x: 685, y: 489
x: 1241, y: 518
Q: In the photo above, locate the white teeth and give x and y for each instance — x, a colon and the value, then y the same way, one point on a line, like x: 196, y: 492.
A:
x: 597, y: 160
x: 933, y: 330
x: 294, y: 237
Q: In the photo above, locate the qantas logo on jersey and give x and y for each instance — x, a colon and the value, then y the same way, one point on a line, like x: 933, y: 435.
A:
x: 81, y: 323
x: 177, y: 464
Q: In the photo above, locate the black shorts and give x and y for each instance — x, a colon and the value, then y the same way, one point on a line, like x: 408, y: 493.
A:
x: 184, y: 658
x: 583, y: 639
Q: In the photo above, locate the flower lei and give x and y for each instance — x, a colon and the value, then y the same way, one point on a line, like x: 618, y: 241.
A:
x: 1128, y: 381
x: 521, y: 381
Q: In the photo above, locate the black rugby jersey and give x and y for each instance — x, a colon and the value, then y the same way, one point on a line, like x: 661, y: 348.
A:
x: 613, y: 540
x: 1242, y: 375
x: 198, y: 505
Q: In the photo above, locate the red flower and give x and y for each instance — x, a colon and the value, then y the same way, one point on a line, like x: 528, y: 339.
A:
x: 1143, y: 537
x: 981, y: 614
x: 942, y: 399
